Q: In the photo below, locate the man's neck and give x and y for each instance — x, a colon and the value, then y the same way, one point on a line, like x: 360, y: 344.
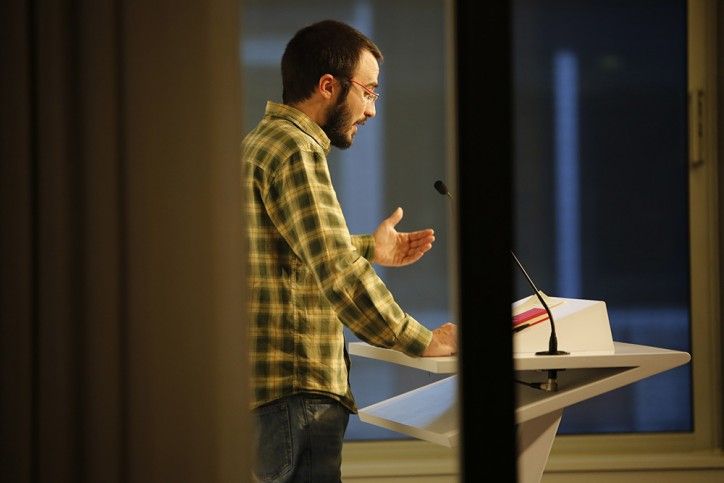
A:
x: 314, y: 109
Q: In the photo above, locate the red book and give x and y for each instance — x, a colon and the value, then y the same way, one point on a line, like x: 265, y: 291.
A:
x: 529, y: 317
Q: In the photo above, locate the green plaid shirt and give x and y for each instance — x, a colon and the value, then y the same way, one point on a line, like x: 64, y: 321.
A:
x: 307, y: 275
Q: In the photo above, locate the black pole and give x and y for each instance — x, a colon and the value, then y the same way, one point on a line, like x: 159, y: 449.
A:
x: 485, y: 143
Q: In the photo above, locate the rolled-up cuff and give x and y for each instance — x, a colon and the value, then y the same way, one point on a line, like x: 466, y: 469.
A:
x: 365, y: 244
x: 413, y: 337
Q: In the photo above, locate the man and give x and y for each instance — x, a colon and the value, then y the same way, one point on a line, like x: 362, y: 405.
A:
x: 307, y: 275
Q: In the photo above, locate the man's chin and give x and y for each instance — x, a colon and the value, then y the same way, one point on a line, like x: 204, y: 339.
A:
x: 343, y: 141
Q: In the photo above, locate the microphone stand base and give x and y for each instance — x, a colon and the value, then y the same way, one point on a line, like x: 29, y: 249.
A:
x: 552, y: 353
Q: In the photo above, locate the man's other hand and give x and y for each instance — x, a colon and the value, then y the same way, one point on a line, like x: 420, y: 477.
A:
x: 444, y: 341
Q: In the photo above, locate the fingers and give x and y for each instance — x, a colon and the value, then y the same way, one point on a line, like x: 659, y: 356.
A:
x: 414, y: 254
x: 410, y: 259
x: 444, y: 341
x: 448, y: 335
x: 419, y: 251
x: 448, y: 331
x: 414, y: 235
x: 422, y: 242
x: 395, y: 217
x: 421, y: 237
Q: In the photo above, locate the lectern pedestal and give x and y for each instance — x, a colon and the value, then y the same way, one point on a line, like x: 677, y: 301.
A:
x: 596, y: 364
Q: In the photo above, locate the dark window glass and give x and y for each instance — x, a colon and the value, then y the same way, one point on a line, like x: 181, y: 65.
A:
x: 601, y: 184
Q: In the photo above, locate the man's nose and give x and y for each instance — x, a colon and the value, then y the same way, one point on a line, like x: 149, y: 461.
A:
x: 370, y: 110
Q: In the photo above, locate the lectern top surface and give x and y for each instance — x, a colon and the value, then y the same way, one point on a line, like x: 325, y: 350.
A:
x: 436, y: 365
x: 623, y: 355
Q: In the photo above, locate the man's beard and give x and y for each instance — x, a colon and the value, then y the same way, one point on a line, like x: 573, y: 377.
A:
x: 339, y: 120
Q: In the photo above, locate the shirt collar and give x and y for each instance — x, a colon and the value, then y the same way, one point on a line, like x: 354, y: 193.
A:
x: 301, y: 120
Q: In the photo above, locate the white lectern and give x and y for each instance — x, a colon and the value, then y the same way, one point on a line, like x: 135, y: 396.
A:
x: 430, y: 412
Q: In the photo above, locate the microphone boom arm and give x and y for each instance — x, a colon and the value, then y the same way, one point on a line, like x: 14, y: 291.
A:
x: 553, y: 340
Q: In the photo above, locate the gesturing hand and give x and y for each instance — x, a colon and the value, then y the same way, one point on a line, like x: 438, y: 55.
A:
x: 395, y: 249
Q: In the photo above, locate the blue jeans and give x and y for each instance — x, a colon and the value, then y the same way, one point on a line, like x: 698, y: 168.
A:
x: 299, y: 439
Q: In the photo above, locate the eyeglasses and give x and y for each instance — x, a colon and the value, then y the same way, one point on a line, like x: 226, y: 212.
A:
x: 368, y: 95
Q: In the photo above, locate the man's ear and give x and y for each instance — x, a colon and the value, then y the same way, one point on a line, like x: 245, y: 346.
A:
x: 327, y: 85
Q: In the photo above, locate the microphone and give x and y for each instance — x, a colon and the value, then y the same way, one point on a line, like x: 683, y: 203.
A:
x: 441, y: 188
x: 552, y: 383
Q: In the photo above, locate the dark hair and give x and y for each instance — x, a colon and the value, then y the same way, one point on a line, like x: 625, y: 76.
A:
x: 326, y: 47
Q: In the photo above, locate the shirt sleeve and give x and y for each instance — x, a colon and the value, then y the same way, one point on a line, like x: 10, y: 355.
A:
x: 303, y: 206
x: 365, y: 244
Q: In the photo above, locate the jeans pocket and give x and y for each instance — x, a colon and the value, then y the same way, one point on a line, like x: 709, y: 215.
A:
x: 327, y: 417
x: 273, y: 441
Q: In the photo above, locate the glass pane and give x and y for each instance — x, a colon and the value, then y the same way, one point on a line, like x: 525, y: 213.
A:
x: 601, y: 184
x: 394, y: 161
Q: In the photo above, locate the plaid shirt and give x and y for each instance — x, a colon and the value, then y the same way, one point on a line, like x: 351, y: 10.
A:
x: 307, y: 275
